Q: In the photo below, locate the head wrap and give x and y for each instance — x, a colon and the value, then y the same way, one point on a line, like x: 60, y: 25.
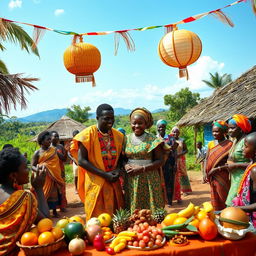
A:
x: 161, y: 121
x: 175, y: 128
x: 242, y: 122
x: 121, y: 130
x: 221, y: 124
x: 145, y: 114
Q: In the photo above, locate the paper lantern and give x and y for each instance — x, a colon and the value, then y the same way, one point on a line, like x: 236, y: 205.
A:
x: 82, y: 60
x: 179, y: 49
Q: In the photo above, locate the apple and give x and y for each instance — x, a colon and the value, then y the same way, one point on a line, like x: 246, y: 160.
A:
x: 62, y: 223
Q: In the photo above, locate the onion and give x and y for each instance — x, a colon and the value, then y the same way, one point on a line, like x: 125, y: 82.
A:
x: 76, y: 246
x: 92, y: 231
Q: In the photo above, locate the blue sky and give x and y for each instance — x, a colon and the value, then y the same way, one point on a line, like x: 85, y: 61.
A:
x: 130, y: 79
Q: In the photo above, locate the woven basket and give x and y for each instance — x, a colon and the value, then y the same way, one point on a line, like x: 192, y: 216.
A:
x: 42, y: 250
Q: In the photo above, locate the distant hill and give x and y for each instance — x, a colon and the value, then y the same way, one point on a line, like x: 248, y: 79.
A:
x: 55, y: 114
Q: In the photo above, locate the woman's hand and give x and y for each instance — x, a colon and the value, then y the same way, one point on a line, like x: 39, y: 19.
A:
x: 38, y: 177
x: 111, y: 176
x: 135, y: 169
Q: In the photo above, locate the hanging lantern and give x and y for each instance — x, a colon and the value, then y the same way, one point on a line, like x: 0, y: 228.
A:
x: 82, y: 59
x: 179, y: 49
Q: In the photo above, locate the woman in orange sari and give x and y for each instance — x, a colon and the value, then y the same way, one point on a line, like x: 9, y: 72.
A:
x: 47, y: 156
x: 217, y: 155
x: 19, y: 209
x: 97, y: 149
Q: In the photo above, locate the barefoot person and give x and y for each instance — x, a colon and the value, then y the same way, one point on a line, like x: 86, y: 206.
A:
x: 217, y: 155
x: 98, y: 149
x: 47, y: 156
x: 246, y: 194
x: 19, y: 209
x: 62, y: 154
x: 181, y: 162
x: 145, y: 156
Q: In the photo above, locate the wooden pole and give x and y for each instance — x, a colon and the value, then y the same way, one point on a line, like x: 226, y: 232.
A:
x: 195, y: 138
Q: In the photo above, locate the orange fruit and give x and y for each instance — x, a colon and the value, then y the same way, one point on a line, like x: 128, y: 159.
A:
x: 45, y: 238
x: 179, y: 220
x: 194, y: 223
x: 44, y: 225
x: 29, y: 238
x: 168, y: 220
x: 76, y: 219
x: 35, y: 231
x: 57, y: 233
x: 201, y: 215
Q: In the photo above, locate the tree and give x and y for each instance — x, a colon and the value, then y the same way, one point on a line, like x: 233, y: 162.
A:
x: 12, y: 87
x: 217, y: 80
x: 79, y: 114
x: 181, y: 102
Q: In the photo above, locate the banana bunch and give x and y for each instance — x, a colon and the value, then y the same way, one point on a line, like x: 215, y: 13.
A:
x: 207, y: 207
x: 120, y: 242
x: 187, y: 212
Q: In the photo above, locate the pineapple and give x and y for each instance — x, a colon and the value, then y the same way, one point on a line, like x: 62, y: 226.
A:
x: 121, y: 220
x: 159, y: 215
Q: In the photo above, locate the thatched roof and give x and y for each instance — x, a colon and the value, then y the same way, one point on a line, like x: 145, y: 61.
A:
x: 237, y: 97
x: 65, y: 127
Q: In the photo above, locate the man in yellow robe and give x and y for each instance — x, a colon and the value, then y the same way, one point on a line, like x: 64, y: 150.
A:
x: 97, y: 149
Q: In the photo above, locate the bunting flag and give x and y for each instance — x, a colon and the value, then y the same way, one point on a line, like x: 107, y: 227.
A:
x: 218, y: 13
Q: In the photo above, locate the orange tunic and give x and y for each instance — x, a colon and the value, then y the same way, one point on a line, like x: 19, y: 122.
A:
x: 51, y: 161
x: 96, y: 193
x: 17, y: 214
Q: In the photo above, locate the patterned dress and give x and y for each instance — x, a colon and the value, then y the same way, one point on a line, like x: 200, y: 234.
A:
x: 144, y: 189
x: 236, y: 156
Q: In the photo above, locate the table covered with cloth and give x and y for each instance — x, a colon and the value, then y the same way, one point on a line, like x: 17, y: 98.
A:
x: 196, y: 247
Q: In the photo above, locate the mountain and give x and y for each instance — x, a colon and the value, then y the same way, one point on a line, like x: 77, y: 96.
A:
x: 55, y: 114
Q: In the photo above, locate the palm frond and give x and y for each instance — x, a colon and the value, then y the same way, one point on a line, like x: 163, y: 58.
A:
x: 15, y: 34
x: 3, y: 68
x: 12, y: 91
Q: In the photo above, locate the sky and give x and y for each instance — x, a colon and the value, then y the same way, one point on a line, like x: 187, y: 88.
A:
x: 130, y: 79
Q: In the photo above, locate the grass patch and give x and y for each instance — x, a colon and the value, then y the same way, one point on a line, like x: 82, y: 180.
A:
x: 190, y: 163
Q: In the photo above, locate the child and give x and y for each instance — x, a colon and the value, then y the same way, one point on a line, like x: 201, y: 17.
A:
x: 201, y: 154
x: 246, y: 196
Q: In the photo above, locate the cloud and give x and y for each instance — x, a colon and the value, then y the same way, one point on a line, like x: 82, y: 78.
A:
x: 58, y: 12
x: 151, y: 96
x: 15, y: 4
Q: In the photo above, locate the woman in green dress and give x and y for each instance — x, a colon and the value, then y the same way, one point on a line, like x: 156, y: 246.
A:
x: 144, y: 155
x: 238, y: 126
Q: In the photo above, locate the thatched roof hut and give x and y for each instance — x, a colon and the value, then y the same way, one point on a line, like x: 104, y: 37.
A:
x: 237, y: 97
x: 65, y: 127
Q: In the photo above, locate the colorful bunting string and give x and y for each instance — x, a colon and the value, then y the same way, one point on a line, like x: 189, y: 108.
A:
x: 218, y: 13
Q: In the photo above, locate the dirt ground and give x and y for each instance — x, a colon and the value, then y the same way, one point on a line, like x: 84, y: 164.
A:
x: 200, y: 194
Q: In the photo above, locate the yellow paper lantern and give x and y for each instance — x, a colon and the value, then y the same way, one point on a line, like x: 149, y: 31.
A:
x: 179, y: 49
x: 82, y: 60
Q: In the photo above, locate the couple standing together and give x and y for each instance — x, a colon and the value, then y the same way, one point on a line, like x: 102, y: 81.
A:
x: 104, y: 155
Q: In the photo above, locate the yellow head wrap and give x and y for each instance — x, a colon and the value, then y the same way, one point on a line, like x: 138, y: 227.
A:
x: 145, y: 114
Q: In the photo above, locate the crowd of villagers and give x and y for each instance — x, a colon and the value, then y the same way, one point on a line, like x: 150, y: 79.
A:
x: 138, y: 170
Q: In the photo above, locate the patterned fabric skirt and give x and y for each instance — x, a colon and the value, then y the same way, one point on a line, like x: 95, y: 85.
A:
x: 182, y: 172
x: 143, y: 191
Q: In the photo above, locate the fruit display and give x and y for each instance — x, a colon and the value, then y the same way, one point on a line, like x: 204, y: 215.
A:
x: 179, y: 240
x: 121, y: 220
x: 76, y: 246
x: 92, y: 231
x: 105, y: 219
x: 107, y: 233
x: 207, y: 229
x: 235, y: 218
x: 42, y: 234
x: 74, y: 229
x: 159, y: 215
x: 99, y: 243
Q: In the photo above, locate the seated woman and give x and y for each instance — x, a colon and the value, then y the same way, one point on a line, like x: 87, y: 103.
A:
x: 246, y: 196
x: 47, y: 156
x: 19, y: 209
x: 145, y: 156
x: 217, y: 155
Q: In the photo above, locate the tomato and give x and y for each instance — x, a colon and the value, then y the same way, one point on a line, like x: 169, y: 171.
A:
x: 110, y: 251
x: 142, y: 244
x: 145, y: 239
x: 159, y: 237
x: 140, y: 236
x: 145, y: 224
x: 136, y: 243
x: 145, y: 233
x: 150, y: 244
x: 74, y: 229
x: 158, y: 242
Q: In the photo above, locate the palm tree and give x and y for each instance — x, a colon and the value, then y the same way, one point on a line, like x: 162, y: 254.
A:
x: 217, y: 80
x: 13, y: 87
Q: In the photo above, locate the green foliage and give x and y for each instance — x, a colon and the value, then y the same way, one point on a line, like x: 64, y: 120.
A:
x: 69, y: 177
x: 217, y: 80
x: 79, y: 114
x: 181, y: 102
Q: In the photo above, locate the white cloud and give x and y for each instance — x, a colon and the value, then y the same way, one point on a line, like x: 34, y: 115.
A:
x: 58, y: 12
x: 151, y: 96
x: 15, y: 4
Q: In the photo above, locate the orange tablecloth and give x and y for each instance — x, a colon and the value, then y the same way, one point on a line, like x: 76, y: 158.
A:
x: 196, y: 247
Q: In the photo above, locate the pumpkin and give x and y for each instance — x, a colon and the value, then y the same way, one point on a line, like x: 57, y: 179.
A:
x: 233, y: 217
x: 207, y: 229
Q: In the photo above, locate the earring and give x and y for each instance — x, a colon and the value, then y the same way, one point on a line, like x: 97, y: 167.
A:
x: 15, y: 184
